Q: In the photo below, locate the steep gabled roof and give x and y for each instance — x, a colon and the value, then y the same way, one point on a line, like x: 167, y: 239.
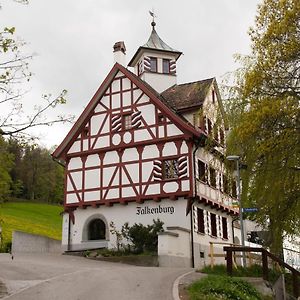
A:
x: 149, y: 91
x: 188, y: 95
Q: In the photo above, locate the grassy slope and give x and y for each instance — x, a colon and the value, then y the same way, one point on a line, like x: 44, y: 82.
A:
x: 35, y: 218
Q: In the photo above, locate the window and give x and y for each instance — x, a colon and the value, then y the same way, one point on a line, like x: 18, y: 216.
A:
x: 213, y: 224
x: 166, y: 66
x: 153, y: 64
x: 222, y: 137
x: 200, y: 219
x: 85, y: 132
x: 96, y: 230
x: 127, y: 121
x: 209, y: 126
x: 215, y: 131
x: 233, y: 186
x: 201, y: 171
x: 225, y: 184
x: 213, y: 96
x: 224, y: 228
x: 212, y: 177
x: 160, y: 118
x: 140, y: 68
x: 202, y: 121
x: 170, y: 169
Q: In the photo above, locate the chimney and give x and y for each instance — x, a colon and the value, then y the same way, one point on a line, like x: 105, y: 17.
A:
x: 120, y: 53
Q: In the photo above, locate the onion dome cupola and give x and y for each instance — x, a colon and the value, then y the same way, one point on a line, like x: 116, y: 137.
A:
x: 155, y: 62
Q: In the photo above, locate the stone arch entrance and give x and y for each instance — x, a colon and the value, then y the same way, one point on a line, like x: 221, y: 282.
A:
x: 95, y: 229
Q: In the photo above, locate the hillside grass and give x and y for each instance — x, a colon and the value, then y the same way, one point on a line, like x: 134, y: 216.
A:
x: 36, y: 218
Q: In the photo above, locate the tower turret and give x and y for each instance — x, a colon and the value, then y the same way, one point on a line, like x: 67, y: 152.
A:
x: 155, y: 62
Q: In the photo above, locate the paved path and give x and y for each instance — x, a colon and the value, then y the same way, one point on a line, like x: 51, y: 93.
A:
x: 50, y: 277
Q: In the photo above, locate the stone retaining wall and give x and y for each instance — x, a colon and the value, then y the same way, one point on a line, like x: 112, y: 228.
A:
x: 32, y: 243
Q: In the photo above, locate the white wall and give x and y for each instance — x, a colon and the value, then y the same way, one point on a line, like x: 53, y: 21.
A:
x: 172, y: 214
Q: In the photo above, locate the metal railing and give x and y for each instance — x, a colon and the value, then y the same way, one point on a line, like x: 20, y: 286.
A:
x: 264, y: 257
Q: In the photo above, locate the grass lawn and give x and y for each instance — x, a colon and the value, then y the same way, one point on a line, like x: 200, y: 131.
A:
x: 37, y: 218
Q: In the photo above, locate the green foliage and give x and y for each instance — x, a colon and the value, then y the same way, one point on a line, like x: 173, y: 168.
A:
x: 143, y: 238
x: 33, y: 218
x: 265, y: 119
x: 252, y: 271
x: 32, y: 174
x: 221, y: 287
x: 6, y: 163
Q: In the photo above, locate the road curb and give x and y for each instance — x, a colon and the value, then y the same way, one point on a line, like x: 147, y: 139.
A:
x: 175, y: 289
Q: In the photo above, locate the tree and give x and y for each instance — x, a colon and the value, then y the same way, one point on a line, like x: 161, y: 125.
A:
x: 6, y: 163
x: 264, y: 115
x: 13, y: 72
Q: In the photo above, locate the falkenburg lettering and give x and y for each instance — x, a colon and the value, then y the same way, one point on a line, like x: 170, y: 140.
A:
x: 154, y: 210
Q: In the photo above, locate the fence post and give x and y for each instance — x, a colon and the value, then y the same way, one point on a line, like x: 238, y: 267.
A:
x: 211, y: 255
x: 265, y: 264
x: 295, y: 285
x: 229, y: 262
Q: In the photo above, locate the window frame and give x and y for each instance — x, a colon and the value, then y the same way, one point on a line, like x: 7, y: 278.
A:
x: 224, y: 228
x: 213, y: 225
x: 203, y: 176
x: 153, y: 59
x: 163, y: 64
x: 213, y: 177
x: 200, y: 221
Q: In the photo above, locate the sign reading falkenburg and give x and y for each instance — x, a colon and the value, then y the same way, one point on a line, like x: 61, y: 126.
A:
x: 154, y: 210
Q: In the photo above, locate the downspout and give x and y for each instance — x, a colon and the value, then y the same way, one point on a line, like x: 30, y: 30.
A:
x: 69, y: 234
x: 197, y: 145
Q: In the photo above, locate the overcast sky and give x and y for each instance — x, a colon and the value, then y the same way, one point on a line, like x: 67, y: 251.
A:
x: 72, y: 42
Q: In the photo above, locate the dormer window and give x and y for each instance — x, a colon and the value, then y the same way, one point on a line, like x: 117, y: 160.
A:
x: 153, y: 64
x: 166, y: 66
x: 127, y: 121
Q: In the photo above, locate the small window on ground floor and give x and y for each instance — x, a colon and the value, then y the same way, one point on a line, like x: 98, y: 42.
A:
x: 224, y: 228
x: 200, y: 220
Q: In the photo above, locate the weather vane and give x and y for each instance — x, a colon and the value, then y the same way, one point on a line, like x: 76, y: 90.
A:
x: 153, y: 16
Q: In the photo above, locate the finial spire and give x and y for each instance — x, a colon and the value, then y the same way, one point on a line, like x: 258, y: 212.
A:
x: 153, y: 16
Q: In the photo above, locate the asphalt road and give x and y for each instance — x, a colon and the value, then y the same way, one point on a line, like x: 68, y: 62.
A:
x: 50, y: 277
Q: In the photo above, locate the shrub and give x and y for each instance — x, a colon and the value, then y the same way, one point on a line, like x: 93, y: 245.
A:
x: 143, y: 238
x: 222, y: 287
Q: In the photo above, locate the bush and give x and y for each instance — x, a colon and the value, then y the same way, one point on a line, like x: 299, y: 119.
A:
x: 143, y: 238
x: 6, y: 247
x: 215, y: 287
x: 251, y: 271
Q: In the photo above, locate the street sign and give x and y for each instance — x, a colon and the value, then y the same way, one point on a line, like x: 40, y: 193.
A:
x: 250, y: 209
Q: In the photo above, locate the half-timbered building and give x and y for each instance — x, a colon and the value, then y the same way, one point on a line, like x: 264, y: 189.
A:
x: 148, y: 148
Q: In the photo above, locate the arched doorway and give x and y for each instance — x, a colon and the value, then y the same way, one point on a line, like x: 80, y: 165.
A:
x: 96, y: 230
